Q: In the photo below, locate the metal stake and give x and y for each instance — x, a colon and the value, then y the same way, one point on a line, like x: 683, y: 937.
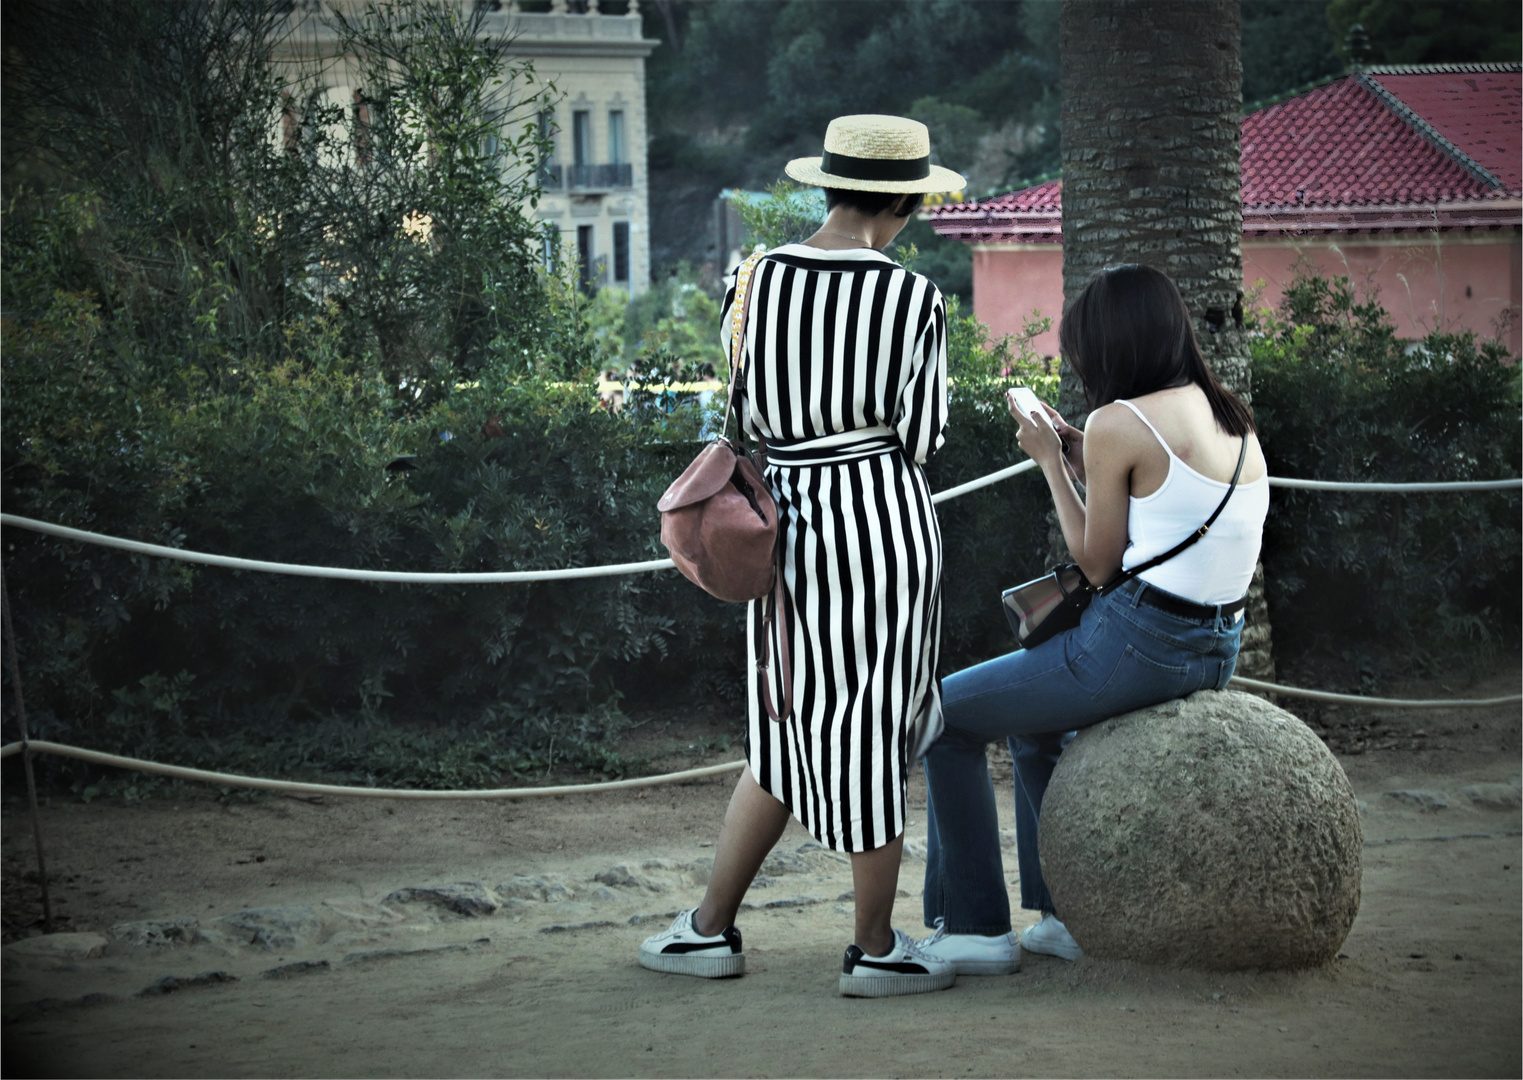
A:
x: 26, y: 755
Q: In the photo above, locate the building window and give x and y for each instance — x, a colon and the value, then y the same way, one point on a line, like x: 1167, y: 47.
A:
x: 585, y: 258
x: 621, y: 251
x: 581, y: 137
x: 552, y: 251
x: 547, y: 133
x: 616, y: 137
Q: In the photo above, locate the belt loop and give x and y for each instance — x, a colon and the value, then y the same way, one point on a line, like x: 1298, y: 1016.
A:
x: 1139, y: 592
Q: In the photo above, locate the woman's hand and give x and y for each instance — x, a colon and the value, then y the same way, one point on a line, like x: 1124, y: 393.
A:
x: 1038, y: 436
x: 1072, y: 438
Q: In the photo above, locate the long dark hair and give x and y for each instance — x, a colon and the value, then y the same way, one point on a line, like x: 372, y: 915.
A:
x: 1129, y: 334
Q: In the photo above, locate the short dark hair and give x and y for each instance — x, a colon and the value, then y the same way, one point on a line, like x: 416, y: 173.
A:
x: 1129, y: 333
x: 871, y: 203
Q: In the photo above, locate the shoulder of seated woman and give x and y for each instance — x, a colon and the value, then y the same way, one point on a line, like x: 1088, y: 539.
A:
x: 1118, y: 425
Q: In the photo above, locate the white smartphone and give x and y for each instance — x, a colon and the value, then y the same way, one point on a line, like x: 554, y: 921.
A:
x: 1027, y: 402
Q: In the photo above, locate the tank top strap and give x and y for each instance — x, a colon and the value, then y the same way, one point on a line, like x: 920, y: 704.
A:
x: 1161, y: 440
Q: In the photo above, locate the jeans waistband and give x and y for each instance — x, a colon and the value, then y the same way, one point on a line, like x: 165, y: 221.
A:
x: 1154, y: 597
x: 833, y: 449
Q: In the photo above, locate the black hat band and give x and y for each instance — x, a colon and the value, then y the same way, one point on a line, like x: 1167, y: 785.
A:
x: 859, y: 168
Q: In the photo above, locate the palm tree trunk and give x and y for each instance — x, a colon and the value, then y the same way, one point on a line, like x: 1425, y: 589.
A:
x: 1152, y: 104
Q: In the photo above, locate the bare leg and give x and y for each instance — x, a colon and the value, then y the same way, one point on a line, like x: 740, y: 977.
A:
x: 752, y: 827
x: 875, y: 874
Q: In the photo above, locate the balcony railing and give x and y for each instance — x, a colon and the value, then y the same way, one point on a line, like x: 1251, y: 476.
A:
x: 586, y: 177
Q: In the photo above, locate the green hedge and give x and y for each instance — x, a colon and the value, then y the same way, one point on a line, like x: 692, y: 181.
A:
x: 289, y: 462
x: 1431, y: 577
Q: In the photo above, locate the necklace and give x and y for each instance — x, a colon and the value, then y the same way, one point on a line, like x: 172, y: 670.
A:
x: 849, y: 236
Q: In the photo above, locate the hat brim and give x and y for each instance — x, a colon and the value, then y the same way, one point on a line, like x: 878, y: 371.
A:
x: 806, y: 170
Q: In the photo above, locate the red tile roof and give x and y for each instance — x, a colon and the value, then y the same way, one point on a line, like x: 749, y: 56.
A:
x: 1480, y: 112
x: 1389, y: 149
x: 1341, y: 145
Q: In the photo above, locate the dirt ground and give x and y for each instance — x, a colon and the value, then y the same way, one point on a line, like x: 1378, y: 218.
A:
x: 1427, y: 984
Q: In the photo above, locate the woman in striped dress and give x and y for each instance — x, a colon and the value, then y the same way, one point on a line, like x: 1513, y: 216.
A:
x: 844, y: 377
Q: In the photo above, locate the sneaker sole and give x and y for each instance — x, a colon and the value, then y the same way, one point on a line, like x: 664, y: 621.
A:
x: 703, y: 967
x: 877, y: 986
x: 1061, y: 952
x: 988, y: 967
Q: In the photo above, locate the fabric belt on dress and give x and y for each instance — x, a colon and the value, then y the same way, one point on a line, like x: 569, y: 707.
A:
x: 1155, y: 597
x: 833, y: 449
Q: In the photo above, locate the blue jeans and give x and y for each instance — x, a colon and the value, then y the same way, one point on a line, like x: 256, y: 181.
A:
x: 1125, y: 654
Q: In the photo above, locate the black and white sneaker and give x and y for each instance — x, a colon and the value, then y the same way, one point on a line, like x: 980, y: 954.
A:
x: 682, y: 950
x: 903, y: 970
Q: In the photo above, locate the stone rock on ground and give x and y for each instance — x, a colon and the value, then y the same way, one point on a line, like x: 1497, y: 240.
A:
x: 1493, y: 796
x: 1429, y: 801
x: 300, y: 967
x: 624, y: 876
x: 57, y: 948
x: 156, y: 933
x: 274, y: 927
x: 547, y: 889
x: 171, y: 984
x: 1216, y: 832
x: 469, y: 898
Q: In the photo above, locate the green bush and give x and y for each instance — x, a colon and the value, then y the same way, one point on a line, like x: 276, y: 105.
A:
x: 1339, y: 396
x: 997, y: 536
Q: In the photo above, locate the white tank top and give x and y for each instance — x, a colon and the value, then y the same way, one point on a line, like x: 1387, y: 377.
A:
x: 1218, y: 567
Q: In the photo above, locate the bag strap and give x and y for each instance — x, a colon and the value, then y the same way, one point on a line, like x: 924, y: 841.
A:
x: 776, y: 611
x: 1123, y: 576
x: 740, y: 308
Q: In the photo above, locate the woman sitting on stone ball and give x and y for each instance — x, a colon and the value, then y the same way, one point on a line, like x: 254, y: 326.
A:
x: 1158, y: 453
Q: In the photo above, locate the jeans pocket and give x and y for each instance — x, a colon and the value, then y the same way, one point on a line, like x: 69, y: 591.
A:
x: 1138, y: 677
x: 1092, y: 655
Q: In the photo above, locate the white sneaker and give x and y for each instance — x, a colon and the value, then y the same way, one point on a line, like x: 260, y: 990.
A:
x: 974, y: 954
x: 1051, y: 937
x: 682, y: 950
x: 904, y: 969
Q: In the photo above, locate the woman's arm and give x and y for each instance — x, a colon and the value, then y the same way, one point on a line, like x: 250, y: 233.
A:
x: 921, y: 415
x: 1094, y: 532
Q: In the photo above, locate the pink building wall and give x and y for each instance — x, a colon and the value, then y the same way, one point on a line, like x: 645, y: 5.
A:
x: 1456, y: 281
x: 1010, y: 280
x: 1447, y: 281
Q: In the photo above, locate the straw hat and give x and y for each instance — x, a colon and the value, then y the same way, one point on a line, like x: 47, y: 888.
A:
x: 876, y: 153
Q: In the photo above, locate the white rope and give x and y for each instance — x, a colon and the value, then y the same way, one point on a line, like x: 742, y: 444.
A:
x: 293, y: 787
x: 341, y: 573
x: 1375, y: 702
x: 983, y: 481
x: 1399, y: 489
x: 503, y: 577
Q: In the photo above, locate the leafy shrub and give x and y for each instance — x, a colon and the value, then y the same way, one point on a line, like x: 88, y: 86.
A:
x: 1339, y: 397
x: 997, y: 536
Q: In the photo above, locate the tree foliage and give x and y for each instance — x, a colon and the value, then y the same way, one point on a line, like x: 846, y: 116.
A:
x: 1429, y: 31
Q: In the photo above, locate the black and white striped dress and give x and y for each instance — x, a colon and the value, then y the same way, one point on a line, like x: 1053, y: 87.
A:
x: 845, y: 376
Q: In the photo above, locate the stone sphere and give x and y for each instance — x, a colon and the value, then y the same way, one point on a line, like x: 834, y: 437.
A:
x: 1216, y: 831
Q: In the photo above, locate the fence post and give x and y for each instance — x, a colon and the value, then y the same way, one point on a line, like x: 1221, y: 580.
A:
x: 26, y: 754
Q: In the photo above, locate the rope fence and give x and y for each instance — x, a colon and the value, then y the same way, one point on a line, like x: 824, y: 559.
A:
x: 509, y: 577
x: 97, y: 757
x: 291, y: 787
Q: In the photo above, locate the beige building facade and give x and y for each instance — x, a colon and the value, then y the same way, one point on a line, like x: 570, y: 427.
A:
x: 595, y: 183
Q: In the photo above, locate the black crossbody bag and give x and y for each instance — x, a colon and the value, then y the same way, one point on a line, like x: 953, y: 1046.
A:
x: 1046, y: 606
